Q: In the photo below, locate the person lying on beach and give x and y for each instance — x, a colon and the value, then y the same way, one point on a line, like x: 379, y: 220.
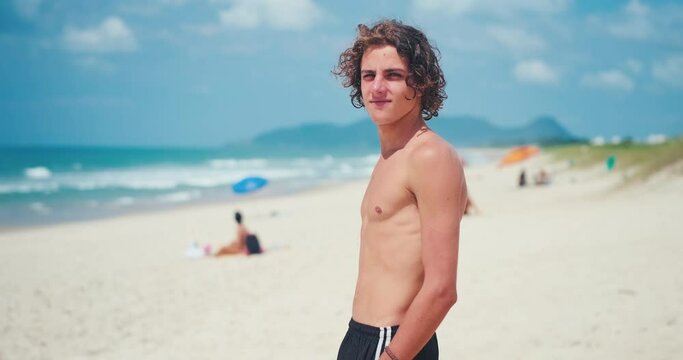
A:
x: 237, y: 246
x: 413, y: 204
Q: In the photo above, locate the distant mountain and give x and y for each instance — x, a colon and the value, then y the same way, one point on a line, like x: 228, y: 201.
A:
x: 473, y: 131
x: 361, y: 136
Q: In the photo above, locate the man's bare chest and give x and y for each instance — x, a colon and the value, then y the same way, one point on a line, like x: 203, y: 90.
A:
x: 388, y: 192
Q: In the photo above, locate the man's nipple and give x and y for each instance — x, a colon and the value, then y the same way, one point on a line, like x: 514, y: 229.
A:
x: 378, y: 210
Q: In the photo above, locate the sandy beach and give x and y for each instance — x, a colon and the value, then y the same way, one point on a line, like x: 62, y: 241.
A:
x: 573, y: 270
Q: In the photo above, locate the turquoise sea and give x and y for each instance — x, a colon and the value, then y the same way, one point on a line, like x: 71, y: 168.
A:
x: 42, y: 185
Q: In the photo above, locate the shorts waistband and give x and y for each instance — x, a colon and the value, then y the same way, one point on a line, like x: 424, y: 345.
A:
x: 368, y: 330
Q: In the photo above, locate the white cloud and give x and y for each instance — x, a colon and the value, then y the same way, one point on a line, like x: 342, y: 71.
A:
x: 149, y: 8
x: 633, y: 66
x: 457, y: 7
x: 670, y: 71
x: 640, y: 21
x: 634, y: 23
x: 634, y: 29
x: 634, y: 7
x: 535, y: 71
x: 244, y: 15
x: 112, y: 35
x: 609, y: 79
x: 27, y: 9
x: 503, y: 8
x: 515, y: 39
x: 295, y: 15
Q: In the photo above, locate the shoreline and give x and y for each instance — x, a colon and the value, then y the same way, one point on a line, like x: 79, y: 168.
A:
x: 189, y: 205
x: 48, y: 194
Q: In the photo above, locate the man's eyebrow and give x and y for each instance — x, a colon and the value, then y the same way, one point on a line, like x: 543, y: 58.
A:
x: 385, y: 70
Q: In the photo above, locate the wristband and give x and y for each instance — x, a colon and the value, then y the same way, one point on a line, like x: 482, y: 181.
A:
x: 390, y: 353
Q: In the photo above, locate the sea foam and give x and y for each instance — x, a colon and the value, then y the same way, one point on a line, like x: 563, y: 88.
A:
x: 180, y: 196
x: 38, y: 172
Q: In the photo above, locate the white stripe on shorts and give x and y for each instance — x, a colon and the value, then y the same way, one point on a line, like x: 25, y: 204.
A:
x: 388, y: 335
x: 379, y: 350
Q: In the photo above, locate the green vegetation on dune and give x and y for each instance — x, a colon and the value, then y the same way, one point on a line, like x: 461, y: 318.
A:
x: 637, y: 161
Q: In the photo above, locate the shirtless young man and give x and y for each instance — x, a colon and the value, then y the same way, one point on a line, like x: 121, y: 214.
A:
x: 414, y: 202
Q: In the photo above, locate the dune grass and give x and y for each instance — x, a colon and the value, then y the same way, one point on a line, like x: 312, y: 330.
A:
x: 637, y: 162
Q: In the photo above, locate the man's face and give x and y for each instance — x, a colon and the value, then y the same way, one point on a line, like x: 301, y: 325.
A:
x: 386, y: 95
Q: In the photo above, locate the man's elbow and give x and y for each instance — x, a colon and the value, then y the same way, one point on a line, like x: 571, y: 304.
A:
x: 447, y: 295
x: 454, y: 297
x: 451, y: 298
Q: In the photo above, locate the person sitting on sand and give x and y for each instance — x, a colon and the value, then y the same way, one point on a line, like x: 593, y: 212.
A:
x: 470, y: 207
x: 238, y: 245
x: 542, y: 178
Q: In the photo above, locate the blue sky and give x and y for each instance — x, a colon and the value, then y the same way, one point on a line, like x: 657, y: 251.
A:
x: 203, y: 73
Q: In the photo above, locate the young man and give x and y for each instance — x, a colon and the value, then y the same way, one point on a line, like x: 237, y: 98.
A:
x: 413, y: 204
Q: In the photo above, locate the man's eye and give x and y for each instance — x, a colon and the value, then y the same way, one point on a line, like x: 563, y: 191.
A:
x: 395, y: 75
x: 369, y: 76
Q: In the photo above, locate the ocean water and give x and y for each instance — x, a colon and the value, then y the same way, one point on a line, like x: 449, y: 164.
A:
x: 42, y: 185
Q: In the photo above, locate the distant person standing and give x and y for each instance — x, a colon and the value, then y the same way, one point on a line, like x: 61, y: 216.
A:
x: 522, y: 178
x: 414, y: 203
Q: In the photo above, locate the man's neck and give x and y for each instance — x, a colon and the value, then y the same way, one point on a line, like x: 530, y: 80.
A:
x: 395, y: 136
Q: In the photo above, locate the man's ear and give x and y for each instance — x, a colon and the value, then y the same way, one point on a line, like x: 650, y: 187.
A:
x: 416, y: 94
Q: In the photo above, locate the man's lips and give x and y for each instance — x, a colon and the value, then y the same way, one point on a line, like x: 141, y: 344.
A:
x: 380, y: 102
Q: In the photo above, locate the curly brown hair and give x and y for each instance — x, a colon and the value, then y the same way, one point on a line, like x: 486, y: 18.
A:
x: 412, y: 45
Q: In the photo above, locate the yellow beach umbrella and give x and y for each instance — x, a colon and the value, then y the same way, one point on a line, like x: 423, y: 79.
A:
x: 518, y: 154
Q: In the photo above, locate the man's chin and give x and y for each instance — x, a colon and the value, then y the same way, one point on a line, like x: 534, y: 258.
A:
x: 381, y: 120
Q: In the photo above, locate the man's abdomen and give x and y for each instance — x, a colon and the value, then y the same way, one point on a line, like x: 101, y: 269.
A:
x: 386, y: 288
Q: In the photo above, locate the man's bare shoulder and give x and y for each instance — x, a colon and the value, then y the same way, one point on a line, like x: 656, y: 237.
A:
x: 430, y: 150
x: 434, y: 165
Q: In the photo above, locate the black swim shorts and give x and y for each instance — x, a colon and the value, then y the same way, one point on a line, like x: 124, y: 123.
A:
x: 365, y: 342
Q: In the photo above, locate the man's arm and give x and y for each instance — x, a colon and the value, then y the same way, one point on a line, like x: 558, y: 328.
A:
x: 436, y: 178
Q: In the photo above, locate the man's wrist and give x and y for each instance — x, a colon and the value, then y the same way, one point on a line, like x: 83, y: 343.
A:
x: 390, y: 353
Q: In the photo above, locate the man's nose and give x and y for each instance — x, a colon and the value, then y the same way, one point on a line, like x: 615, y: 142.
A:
x: 379, y: 85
